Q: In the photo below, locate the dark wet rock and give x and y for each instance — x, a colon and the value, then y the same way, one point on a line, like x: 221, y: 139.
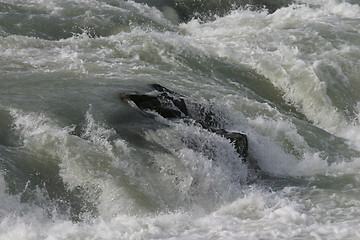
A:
x: 167, y: 103
x: 238, y: 139
x: 206, y: 10
x: 172, y: 105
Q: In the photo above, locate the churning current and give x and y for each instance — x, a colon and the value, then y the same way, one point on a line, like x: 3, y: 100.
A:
x: 77, y: 162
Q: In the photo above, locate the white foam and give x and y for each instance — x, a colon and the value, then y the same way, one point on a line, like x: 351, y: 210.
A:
x: 98, y: 162
x: 257, y: 214
x: 83, y: 163
x: 286, y: 47
x: 39, y: 55
x: 340, y: 8
x: 284, y: 146
x: 203, y: 167
x: 202, y: 175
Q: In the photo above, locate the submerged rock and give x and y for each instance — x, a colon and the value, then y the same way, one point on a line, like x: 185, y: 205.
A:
x: 171, y: 105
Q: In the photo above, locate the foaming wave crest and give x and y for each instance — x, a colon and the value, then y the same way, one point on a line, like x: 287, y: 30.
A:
x: 85, y: 166
x: 195, y: 168
x: 286, y: 76
x: 302, y: 58
x: 258, y: 214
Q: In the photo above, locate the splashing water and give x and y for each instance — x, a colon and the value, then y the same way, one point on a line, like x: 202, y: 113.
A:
x: 78, y: 163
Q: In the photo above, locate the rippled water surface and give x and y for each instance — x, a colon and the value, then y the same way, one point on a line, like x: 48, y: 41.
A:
x: 76, y: 162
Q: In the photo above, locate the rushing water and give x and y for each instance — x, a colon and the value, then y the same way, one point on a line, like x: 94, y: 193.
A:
x: 78, y: 163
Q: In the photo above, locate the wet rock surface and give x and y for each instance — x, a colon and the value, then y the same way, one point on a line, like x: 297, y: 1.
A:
x: 172, y: 105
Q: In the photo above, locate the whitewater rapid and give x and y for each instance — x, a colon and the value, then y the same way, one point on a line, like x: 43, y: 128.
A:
x: 78, y: 163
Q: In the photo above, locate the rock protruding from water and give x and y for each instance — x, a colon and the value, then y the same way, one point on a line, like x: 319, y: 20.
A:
x: 168, y: 104
x: 207, y: 10
x: 171, y: 105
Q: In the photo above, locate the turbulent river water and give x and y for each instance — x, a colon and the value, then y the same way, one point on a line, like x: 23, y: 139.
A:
x: 78, y: 163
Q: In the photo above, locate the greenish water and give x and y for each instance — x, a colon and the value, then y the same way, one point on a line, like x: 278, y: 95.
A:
x: 78, y: 163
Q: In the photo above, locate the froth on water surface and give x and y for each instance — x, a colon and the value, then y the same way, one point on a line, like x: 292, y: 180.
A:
x: 78, y: 163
